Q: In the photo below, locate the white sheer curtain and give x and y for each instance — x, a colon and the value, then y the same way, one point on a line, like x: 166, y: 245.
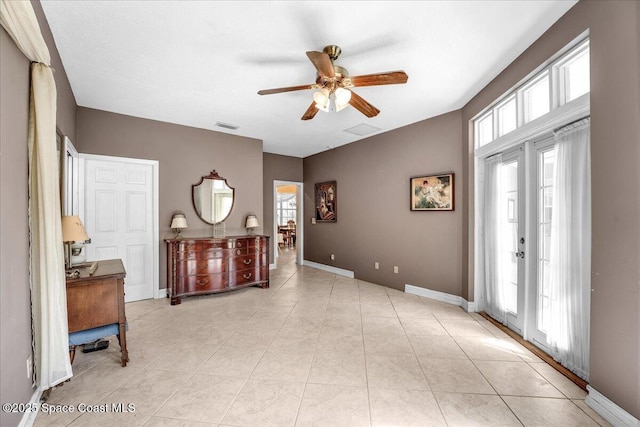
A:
x: 571, y: 249
x: 493, y: 217
x: 48, y: 293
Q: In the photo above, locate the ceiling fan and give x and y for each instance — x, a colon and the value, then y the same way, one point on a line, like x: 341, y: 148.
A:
x: 334, y: 84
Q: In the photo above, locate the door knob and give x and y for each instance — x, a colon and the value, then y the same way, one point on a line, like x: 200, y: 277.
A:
x: 519, y: 254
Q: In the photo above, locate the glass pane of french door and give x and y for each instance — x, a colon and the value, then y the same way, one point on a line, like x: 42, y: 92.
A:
x: 511, y: 237
x: 509, y: 234
x: 546, y: 165
x: 544, y: 204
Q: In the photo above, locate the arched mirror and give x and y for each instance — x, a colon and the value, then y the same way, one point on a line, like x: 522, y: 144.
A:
x: 212, y: 198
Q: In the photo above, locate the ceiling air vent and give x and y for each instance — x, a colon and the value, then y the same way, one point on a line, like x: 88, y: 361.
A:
x: 362, y: 129
x: 227, y: 126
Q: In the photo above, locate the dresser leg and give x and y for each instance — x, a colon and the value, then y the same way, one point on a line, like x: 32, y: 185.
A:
x: 176, y: 300
x: 265, y: 285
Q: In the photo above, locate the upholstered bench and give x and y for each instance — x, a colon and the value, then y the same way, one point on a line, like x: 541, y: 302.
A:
x: 90, y: 335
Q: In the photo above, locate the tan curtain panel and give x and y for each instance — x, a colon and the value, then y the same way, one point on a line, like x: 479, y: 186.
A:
x: 48, y: 293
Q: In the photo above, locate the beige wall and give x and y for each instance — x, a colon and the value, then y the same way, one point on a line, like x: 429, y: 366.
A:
x: 615, y: 155
x: 184, y: 154
x: 277, y: 168
x: 375, y: 222
x: 15, y: 308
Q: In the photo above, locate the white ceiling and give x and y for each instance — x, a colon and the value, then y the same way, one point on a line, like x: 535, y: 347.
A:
x: 196, y: 63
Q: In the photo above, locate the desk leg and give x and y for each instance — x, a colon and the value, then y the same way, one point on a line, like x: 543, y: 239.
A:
x: 122, y: 340
x: 122, y: 323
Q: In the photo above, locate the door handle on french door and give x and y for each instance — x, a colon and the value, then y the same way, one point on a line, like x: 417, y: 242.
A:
x: 519, y: 254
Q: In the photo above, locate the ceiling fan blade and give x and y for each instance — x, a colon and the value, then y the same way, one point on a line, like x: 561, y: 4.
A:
x: 286, y: 89
x: 323, y: 64
x: 390, y: 78
x: 363, y: 106
x: 311, y: 112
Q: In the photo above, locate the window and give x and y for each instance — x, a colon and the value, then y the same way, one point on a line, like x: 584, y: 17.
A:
x: 286, y: 207
x: 484, y: 129
x: 563, y: 80
x: 536, y: 98
x: 507, y: 117
x: 573, y: 71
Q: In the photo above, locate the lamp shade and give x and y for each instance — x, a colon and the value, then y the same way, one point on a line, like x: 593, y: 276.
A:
x: 321, y: 99
x: 73, y: 230
x: 252, y: 222
x: 178, y: 221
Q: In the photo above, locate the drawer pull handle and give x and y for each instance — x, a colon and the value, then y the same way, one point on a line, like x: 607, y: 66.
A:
x: 202, y: 282
x: 238, y: 252
x: 247, y: 275
x: 248, y: 261
x: 239, y: 244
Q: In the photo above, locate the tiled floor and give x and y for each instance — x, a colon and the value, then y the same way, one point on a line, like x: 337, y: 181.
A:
x: 316, y: 349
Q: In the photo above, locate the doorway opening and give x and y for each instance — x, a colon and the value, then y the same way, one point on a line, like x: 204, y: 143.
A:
x: 287, y: 220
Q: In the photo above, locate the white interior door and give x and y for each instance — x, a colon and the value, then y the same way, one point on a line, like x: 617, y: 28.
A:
x: 120, y: 216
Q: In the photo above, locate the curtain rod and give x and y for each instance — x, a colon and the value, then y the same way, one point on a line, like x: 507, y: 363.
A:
x: 573, y: 123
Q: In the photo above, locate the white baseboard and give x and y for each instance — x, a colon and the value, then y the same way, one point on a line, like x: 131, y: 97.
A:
x: 469, y: 307
x: 330, y: 269
x: 160, y: 293
x: 609, y: 410
x: 29, y: 417
x: 272, y: 266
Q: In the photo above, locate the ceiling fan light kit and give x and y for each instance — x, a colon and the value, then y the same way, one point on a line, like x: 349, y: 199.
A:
x: 335, y: 85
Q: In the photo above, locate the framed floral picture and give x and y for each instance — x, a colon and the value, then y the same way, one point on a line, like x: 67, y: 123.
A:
x: 432, y: 192
x: 326, y: 202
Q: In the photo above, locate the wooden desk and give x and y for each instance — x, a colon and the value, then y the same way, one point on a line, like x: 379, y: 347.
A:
x: 98, y: 300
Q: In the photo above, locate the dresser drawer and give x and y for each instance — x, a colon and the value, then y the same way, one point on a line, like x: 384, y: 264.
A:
x: 238, y: 278
x: 194, y: 266
x: 247, y: 262
x: 215, y: 244
x: 258, y: 245
x: 250, y: 246
x: 214, y: 253
x: 202, y: 282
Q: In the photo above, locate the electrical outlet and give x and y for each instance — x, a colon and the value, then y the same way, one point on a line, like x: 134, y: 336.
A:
x: 376, y: 265
x: 313, y: 220
x: 29, y: 366
x: 333, y: 257
x: 395, y: 269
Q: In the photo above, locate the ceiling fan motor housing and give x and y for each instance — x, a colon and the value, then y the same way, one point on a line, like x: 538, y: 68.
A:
x: 333, y: 51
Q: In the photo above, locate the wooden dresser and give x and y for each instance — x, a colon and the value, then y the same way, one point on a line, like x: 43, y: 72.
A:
x: 98, y: 300
x: 209, y: 265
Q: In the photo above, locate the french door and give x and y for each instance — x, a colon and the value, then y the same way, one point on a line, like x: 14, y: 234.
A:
x: 542, y: 165
x: 521, y: 223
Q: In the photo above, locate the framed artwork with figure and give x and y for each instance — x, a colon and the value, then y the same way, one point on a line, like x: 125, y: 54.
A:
x: 432, y: 192
x: 327, y: 202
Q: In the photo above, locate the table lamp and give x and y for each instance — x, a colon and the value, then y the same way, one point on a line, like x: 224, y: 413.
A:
x: 178, y: 223
x: 72, y: 231
x: 251, y: 223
